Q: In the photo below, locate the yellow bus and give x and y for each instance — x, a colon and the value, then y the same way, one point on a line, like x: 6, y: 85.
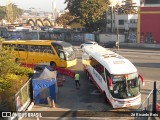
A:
x: 42, y: 52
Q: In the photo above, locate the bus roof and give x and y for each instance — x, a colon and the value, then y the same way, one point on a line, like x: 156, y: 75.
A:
x: 61, y: 43
x: 34, y: 42
x: 38, y: 42
x: 113, y: 62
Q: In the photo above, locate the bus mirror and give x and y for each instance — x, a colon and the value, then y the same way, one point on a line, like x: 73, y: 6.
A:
x: 142, y: 79
x: 75, y: 49
x: 110, y: 83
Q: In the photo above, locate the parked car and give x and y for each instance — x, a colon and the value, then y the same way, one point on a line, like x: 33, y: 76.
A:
x: 88, y: 43
x: 110, y: 44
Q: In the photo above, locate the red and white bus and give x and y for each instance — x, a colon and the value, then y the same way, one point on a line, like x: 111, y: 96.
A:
x: 115, y: 76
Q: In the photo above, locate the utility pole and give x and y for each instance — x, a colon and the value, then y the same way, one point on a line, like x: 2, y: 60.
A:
x: 117, y: 30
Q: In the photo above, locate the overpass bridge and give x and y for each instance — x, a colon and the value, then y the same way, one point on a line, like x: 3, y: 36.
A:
x: 38, y: 21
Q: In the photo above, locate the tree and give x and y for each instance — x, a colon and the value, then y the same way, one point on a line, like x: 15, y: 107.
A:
x: 64, y: 19
x: 2, y: 12
x: 10, y: 71
x: 16, y: 12
x: 12, y: 78
x: 128, y: 8
x: 89, y: 12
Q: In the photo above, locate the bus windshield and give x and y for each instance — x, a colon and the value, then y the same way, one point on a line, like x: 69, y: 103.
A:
x: 69, y: 53
x: 125, y: 86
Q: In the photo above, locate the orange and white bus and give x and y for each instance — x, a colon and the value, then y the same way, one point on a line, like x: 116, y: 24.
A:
x: 42, y: 52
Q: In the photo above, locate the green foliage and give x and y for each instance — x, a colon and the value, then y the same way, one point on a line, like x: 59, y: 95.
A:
x: 11, y: 72
x: 16, y: 12
x: 128, y: 8
x: 89, y: 12
x: 2, y: 12
x: 64, y: 19
x: 1, y: 40
x: 12, y: 78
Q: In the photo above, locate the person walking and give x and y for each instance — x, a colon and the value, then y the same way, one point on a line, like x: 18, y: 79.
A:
x: 77, y: 76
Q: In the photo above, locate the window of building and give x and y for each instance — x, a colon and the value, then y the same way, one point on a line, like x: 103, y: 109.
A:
x: 121, y: 22
x: 83, y: 29
x: 78, y: 29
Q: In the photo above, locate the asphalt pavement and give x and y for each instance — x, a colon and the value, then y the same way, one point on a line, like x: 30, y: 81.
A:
x: 84, y: 103
x: 71, y: 100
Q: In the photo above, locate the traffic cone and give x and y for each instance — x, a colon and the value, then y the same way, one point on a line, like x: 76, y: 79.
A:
x: 37, y: 118
x: 53, y: 104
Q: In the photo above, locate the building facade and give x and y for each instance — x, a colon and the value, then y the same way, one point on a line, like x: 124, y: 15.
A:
x: 149, y: 25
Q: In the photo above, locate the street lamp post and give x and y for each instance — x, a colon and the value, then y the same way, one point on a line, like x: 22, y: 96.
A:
x: 37, y: 32
x: 117, y: 43
x: 113, y: 3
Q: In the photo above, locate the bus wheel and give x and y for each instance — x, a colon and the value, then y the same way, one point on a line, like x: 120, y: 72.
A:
x: 52, y: 63
x: 87, y: 74
x: 17, y: 60
x: 105, y: 97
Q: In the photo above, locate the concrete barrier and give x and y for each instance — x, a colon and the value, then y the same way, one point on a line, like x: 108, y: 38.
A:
x: 139, y: 45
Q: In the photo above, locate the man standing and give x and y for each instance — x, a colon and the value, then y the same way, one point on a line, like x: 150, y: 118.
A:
x: 77, y: 80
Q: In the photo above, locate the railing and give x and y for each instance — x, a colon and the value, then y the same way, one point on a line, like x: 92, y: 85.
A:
x: 146, y: 105
x: 22, y: 98
x: 149, y: 105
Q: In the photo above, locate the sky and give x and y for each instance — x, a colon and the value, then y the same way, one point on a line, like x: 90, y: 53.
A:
x: 40, y: 5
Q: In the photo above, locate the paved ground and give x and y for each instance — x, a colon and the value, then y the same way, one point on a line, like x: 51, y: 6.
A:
x: 71, y: 100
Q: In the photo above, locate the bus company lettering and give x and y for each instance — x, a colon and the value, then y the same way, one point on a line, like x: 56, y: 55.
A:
x: 97, y: 75
x: 41, y: 52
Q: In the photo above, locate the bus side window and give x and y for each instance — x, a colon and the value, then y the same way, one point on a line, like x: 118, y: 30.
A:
x: 46, y: 49
x: 49, y: 50
x: 21, y: 47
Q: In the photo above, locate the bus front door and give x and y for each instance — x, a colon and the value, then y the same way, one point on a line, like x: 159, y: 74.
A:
x: 62, y: 59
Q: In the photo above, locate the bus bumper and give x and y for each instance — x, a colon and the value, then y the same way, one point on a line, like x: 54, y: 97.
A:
x: 71, y: 63
x: 127, y: 102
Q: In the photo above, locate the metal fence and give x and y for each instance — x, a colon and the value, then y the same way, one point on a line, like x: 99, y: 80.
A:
x: 22, y: 97
x: 148, y: 106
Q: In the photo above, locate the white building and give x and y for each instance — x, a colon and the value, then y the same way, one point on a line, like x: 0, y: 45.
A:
x: 125, y: 22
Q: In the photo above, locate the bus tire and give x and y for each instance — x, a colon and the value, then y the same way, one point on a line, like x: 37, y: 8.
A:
x: 87, y: 74
x: 106, y: 99
x: 17, y: 60
x: 52, y: 63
